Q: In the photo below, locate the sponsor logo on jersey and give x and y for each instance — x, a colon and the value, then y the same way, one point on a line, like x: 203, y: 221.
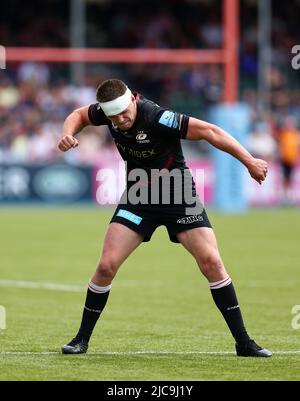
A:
x: 190, y: 219
x: 169, y: 119
x: 141, y: 154
x: 141, y: 137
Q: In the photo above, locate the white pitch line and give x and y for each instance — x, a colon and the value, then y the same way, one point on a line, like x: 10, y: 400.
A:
x: 69, y: 287
x: 133, y: 353
x: 40, y: 285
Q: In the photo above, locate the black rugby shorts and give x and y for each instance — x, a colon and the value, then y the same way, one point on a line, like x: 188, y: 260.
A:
x: 144, y: 219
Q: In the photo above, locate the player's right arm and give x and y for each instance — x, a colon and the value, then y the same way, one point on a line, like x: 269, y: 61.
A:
x: 73, y: 124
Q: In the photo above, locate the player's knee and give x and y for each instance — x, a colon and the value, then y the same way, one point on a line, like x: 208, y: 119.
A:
x: 107, y: 268
x: 210, y: 265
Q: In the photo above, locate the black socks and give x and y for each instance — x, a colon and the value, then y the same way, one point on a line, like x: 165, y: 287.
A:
x: 96, y: 299
x: 225, y: 298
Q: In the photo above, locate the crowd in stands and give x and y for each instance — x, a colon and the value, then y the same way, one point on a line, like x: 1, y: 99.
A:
x: 36, y: 97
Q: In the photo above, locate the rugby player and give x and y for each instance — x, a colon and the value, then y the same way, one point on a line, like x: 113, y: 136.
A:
x: 148, y: 138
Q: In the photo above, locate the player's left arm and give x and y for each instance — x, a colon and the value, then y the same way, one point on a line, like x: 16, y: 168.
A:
x: 216, y: 136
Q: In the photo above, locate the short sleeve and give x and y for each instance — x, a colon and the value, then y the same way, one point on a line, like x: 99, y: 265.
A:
x: 96, y: 115
x: 170, y: 123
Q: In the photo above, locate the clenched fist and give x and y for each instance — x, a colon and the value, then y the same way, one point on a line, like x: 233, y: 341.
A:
x: 258, y: 169
x: 67, y: 142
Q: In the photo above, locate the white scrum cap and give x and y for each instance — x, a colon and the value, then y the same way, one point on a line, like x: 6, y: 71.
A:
x: 118, y: 105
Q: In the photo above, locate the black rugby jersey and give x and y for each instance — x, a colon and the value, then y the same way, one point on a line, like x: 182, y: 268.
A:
x: 153, y: 142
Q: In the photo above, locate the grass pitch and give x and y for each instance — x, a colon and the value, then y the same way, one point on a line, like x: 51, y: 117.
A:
x: 160, y: 322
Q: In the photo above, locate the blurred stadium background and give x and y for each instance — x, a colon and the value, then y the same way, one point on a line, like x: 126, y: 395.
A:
x: 246, y: 82
x: 36, y: 96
